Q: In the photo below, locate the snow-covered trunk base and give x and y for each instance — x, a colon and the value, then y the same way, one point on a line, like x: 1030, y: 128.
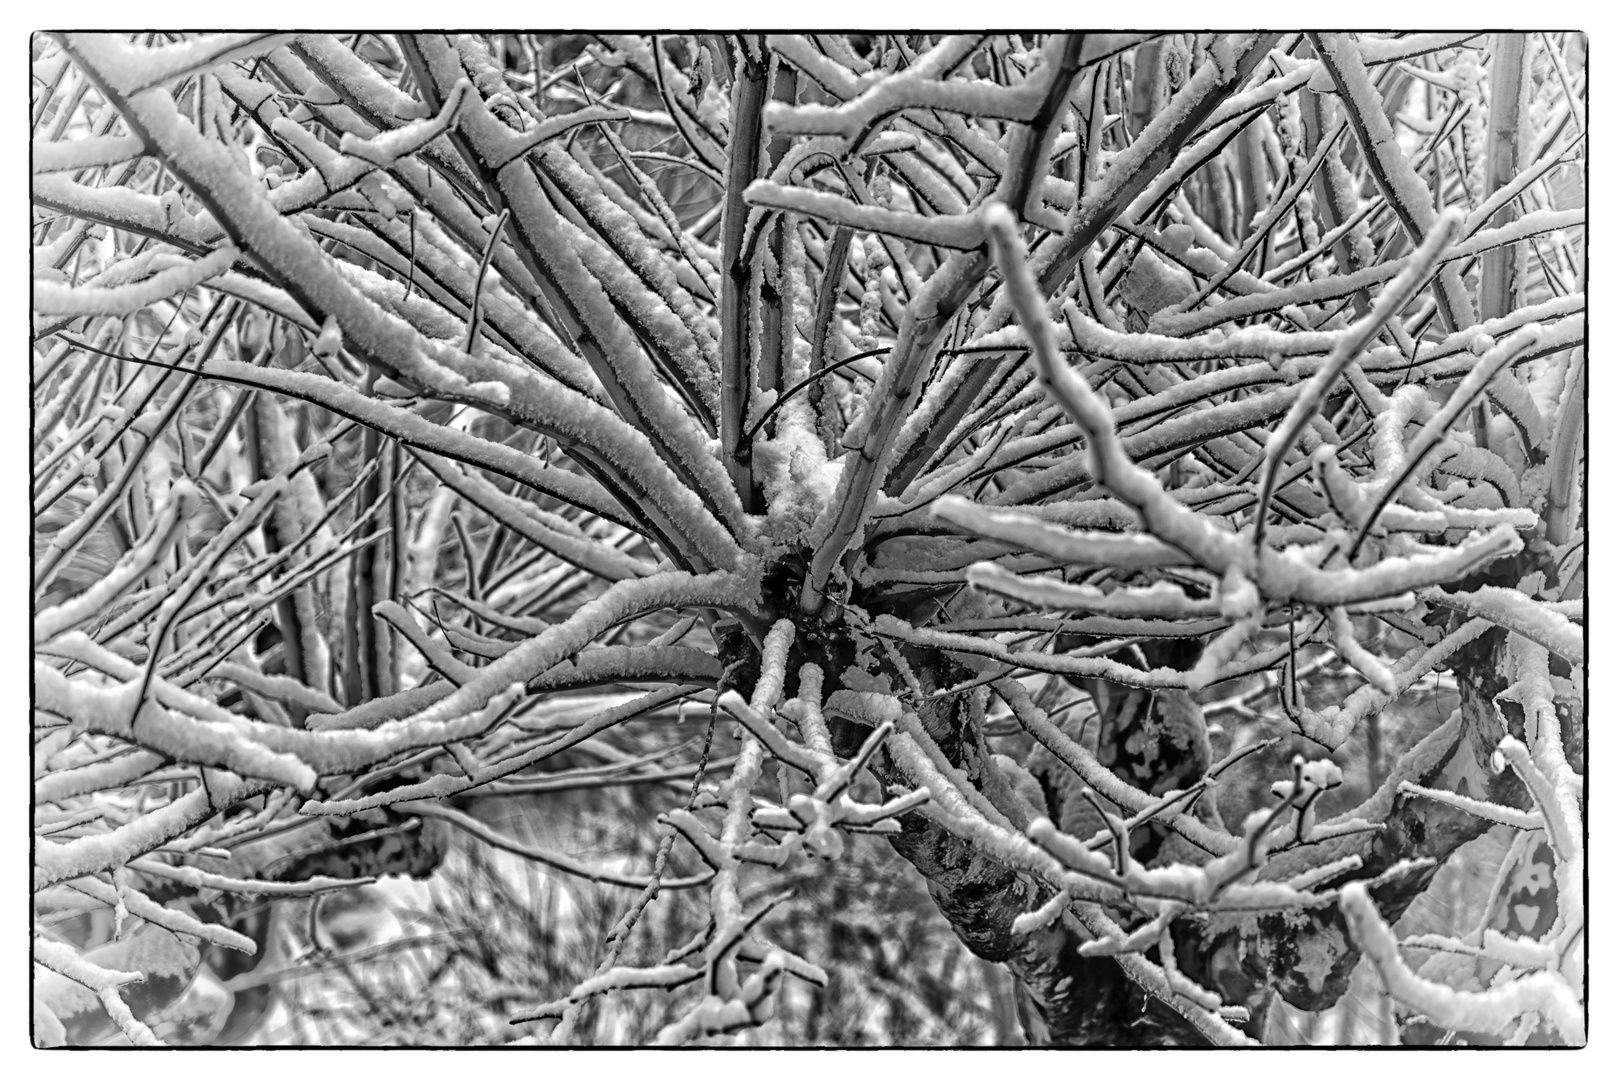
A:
x: 1065, y: 999
x: 1308, y: 957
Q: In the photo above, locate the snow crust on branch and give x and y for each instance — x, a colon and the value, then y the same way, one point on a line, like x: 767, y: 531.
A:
x: 1490, y: 1011
x: 51, y: 298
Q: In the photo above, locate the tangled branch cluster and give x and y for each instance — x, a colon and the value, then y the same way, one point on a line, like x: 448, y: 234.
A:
x: 417, y: 416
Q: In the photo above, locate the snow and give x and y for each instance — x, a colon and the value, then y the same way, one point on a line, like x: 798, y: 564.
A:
x: 1503, y: 815
x: 135, y: 67
x: 1082, y: 548
x: 1520, y: 613
x: 532, y: 658
x: 1558, y: 825
x: 1332, y: 725
x: 1392, y: 170
x: 674, y: 333
x: 920, y: 85
x: 384, y: 151
x: 1436, y: 430
x: 676, y: 442
x: 1152, y: 285
x: 627, y: 239
x: 959, y: 232
x: 1347, y: 349
x: 68, y: 780
x: 275, y: 241
x: 444, y: 785
x: 72, y: 155
x: 216, y: 738
x: 541, y: 529
x: 102, y: 851
x: 1491, y: 1011
x: 1291, y: 574
x: 1219, y: 652
x: 130, y: 570
x: 53, y: 298
x: 891, y: 399
x: 1105, y: 458
x: 1359, y: 657
x: 772, y: 665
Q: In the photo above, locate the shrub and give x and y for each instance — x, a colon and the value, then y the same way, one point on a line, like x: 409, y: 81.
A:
x: 1134, y: 477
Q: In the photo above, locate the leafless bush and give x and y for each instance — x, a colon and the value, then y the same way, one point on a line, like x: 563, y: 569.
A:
x: 1030, y: 452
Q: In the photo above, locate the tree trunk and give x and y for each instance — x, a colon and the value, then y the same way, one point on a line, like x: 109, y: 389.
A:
x: 1064, y: 999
